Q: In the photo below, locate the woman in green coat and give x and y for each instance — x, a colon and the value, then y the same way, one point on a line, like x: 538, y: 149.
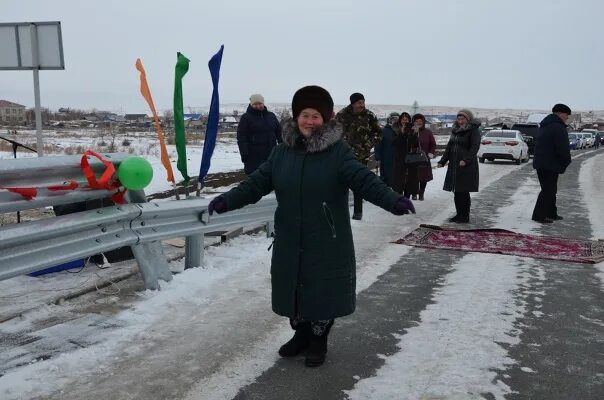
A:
x: 313, y: 263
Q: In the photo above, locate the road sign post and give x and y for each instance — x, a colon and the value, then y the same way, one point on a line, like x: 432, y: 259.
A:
x: 32, y: 46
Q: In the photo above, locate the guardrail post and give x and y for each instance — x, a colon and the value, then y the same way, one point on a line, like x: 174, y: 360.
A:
x: 193, y: 251
x: 150, y: 257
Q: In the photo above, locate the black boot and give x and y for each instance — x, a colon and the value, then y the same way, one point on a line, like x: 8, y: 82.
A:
x: 298, y: 343
x: 317, y: 348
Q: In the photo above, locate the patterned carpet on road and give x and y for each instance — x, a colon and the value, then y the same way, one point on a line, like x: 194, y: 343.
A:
x: 502, y: 241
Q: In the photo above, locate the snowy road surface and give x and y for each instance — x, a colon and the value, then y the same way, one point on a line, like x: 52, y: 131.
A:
x: 429, y: 324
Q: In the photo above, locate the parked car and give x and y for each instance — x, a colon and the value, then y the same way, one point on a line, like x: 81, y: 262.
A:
x: 574, y: 140
x: 504, y: 145
x: 589, y: 138
x: 528, y: 129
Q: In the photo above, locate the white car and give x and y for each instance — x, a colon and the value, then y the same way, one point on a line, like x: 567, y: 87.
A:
x: 503, y: 144
x: 589, y: 138
x: 582, y: 140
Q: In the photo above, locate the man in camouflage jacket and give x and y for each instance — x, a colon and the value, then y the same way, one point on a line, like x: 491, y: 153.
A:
x: 362, y: 132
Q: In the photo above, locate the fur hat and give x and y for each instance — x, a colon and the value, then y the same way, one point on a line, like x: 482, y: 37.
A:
x: 356, y: 97
x: 256, y: 98
x: 314, y: 97
x: 466, y: 113
x: 561, y: 108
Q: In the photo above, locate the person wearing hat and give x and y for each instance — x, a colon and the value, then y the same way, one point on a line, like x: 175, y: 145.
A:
x: 427, y: 144
x: 405, y: 178
x: 257, y: 133
x: 313, y: 263
x: 552, y: 157
x: 362, y: 132
x: 384, y: 153
x: 461, y: 155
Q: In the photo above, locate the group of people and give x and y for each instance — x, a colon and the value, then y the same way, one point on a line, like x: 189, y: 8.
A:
x: 312, y: 161
x: 259, y: 131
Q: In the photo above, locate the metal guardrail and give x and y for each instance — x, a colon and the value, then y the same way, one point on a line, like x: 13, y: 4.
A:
x: 31, y: 246
x: 41, y: 172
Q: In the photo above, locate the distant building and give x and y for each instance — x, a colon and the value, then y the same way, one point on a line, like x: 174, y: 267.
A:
x: 193, y: 120
x: 12, y: 113
x: 136, y: 118
x: 228, y: 122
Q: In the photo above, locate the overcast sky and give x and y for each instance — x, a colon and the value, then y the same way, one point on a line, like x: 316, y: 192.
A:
x: 476, y: 53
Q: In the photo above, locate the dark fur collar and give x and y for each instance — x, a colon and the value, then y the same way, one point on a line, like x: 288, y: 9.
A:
x: 327, y: 136
x: 465, y: 128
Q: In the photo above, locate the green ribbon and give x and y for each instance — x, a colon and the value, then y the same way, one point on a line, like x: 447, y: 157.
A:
x: 182, y: 66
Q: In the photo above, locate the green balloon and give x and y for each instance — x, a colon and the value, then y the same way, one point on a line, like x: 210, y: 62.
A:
x: 135, y: 173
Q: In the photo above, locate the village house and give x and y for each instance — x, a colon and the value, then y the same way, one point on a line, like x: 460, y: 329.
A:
x: 12, y: 113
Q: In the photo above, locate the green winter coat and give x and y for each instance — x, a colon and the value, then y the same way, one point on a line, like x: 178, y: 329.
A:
x: 313, y: 264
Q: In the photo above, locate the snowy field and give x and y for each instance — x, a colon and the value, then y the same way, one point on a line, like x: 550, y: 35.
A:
x: 214, y: 324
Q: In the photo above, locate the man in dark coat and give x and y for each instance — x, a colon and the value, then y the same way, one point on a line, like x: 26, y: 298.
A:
x: 313, y: 265
x: 462, y: 172
x: 258, y: 132
x: 552, y: 157
x: 362, y: 132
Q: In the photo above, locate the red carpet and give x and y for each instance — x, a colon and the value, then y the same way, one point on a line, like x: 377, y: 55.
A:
x: 501, y: 241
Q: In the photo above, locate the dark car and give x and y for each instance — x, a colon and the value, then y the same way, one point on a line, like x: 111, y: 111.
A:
x: 529, y: 131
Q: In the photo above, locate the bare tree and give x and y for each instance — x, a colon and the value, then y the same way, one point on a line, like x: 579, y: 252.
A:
x: 168, y: 118
x: 414, y: 107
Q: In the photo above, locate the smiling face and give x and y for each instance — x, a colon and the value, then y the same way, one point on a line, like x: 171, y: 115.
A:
x: 309, y: 121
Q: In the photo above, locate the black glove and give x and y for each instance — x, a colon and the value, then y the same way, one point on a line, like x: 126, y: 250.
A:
x: 403, y: 206
x: 217, y: 204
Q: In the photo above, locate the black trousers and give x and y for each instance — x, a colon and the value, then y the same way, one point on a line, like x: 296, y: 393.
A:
x: 422, y: 187
x: 545, y: 207
x: 358, y: 203
x: 358, y: 199
x: 462, y: 204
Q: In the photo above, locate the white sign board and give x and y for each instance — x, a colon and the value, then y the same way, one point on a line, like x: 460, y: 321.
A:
x: 31, y: 45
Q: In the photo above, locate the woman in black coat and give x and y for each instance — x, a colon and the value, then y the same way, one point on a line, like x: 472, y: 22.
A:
x: 405, y: 179
x: 462, y: 172
x: 313, y: 275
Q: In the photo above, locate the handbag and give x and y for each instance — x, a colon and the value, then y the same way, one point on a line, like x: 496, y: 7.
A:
x: 417, y: 159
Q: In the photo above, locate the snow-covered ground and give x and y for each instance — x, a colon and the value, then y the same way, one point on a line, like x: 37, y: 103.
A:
x: 202, y: 309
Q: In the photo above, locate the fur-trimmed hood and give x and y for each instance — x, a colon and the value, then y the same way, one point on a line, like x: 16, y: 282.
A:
x: 466, y: 128
x: 329, y: 134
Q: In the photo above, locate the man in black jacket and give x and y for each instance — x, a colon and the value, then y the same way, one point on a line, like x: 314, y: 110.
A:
x: 552, y: 157
x: 258, y: 132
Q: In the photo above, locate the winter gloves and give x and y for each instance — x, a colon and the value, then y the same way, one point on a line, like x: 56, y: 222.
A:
x: 403, y: 206
x: 217, y: 204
